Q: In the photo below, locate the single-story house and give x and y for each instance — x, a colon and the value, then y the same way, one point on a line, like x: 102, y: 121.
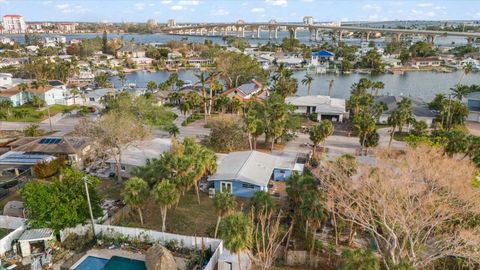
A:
x: 473, y: 104
x: 247, y: 91
x: 72, y: 149
x: 22, y: 161
x: 246, y: 172
x: 136, y: 155
x: 420, y: 109
x: 425, y: 62
x: 324, y: 106
x: 96, y: 97
x: 321, y: 56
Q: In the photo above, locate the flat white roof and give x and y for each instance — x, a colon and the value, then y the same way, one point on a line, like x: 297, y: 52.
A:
x: 138, y: 153
x: 323, y: 104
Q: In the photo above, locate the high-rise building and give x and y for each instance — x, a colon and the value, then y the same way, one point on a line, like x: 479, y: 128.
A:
x: 151, y: 23
x: 14, y: 24
x: 171, y: 23
x: 308, y: 20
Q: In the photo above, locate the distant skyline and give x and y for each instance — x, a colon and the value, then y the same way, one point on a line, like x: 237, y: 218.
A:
x: 233, y: 10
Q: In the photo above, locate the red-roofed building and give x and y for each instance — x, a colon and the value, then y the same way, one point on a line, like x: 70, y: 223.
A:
x: 14, y: 24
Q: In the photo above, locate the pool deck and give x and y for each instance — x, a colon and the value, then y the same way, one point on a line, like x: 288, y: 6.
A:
x: 109, y: 253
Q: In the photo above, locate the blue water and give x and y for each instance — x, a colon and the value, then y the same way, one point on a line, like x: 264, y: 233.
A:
x: 115, y: 263
x: 423, y: 85
x: 92, y: 263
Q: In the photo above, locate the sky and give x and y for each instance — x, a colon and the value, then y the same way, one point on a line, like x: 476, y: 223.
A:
x: 233, y: 10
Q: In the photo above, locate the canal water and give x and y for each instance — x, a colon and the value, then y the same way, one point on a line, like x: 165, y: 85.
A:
x: 423, y: 85
x: 303, y: 36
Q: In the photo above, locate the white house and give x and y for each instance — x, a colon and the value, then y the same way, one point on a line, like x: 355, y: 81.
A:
x: 54, y: 93
x: 324, y: 106
x: 473, y: 104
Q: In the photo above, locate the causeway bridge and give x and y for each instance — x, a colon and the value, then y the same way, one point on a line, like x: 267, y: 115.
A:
x: 240, y: 28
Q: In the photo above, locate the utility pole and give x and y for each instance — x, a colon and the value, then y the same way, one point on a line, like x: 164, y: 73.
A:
x: 85, y: 179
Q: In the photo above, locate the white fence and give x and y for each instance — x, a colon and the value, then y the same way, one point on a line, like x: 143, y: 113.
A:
x: 12, y: 223
x: 191, y: 242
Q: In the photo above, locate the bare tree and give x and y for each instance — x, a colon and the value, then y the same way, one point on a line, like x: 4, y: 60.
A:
x: 113, y: 132
x: 417, y: 205
x: 268, y: 235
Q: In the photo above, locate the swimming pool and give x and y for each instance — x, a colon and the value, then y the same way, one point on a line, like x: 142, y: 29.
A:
x: 114, y: 263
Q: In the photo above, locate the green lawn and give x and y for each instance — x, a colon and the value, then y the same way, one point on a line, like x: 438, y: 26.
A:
x: 33, y: 114
x: 400, y: 136
x: 188, y: 218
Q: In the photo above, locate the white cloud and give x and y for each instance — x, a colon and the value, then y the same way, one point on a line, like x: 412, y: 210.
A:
x: 177, y: 7
x: 189, y: 2
x: 422, y: 14
x: 166, y: 2
x: 47, y: 2
x: 219, y: 12
x: 62, y: 6
x: 425, y: 5
x: 282, y: 3
x: 151, y: 5
x: 256, y: 10
x: 375, y: 8
x: 139, y: 6
x: 344, y: 19
x: 157, y: 12
x: 307, y: 1
x: 373, y: 17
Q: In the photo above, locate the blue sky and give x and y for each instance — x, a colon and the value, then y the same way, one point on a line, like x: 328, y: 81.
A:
x: 248, y: 10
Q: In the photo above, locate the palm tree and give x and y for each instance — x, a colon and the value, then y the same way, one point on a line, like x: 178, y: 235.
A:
x: 236, y: 105
x: 364, y: 123
x: 252, y: 123
x: 203, y: 80
x: 221, y: 103
x: 74, y: 92
x: 376, y: 86
x: 151, y: 86
x: 173, y: 131
x: 3, y: 116
x: 166, y: 195
x: 135, y: 192
x: 359, y: 259
x: 123, y: 78
x: 225, y: 204
x: 468, y: 68
x: 43, y: 84
x: 307, y: 80
x: 319, y: 133
x: 237, y: 234
x: 22, y: 87
x: 313, y: 212
x: 460, y: 91
x: 330, y: 87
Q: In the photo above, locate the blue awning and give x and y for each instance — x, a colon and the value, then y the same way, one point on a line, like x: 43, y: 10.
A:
x: 323, y: 53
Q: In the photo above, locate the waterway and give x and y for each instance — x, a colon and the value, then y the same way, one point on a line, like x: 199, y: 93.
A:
x: 303, y: 36
x: 423, y: 85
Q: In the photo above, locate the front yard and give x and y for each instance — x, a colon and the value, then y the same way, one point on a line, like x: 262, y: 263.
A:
x: 29, y: 113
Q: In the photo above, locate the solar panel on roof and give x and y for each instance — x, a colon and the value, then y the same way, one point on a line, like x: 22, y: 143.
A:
x: 50, y: 141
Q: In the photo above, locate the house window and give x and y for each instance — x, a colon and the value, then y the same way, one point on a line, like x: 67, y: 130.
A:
x: 226, y: 187
x: 122, y: 168
x: 248, y: 186
x: 92, y: 99
x: 281, y: 171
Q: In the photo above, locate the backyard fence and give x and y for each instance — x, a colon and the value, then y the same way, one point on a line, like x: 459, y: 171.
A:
x: 12, y: 223
x: 190, y: 242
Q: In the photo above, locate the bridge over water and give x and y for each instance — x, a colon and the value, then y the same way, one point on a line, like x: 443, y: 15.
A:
x: 337, y: 31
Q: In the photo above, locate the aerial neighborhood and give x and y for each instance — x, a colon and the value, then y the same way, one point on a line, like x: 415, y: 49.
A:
x: 253, y: 144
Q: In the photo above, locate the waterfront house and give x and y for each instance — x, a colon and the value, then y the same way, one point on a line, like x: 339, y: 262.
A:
x: 324, y: 106
x: 419, y: 62
x: 136, y: 155
x: 247, y: 91
x: 420, y: 109
x: 246, y: 172
x: 473, y: 104
x: 131, y: 49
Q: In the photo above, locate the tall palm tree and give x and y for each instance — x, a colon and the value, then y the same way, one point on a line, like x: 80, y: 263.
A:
x: 135, y: 192
x: 151, y: 86
x: 173, y: 131
x: 330, y: 87
x: 74, y: 92
x: 376, y: 86
x: 468, y: 68
x: 22, y: 87
x: 123, y: 78
x: 166, y: 195
x: 203, y: 80
x: 237, y: 234
x: 225, y: 204
x: 307, y: 80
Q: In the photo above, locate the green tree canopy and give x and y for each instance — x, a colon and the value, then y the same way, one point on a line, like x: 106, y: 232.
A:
x: 60, y: 203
